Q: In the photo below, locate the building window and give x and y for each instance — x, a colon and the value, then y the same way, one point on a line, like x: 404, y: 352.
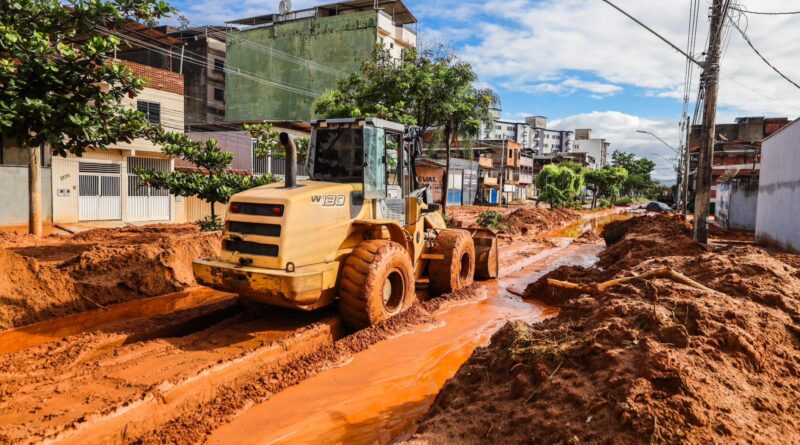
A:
x: 498, y: 127
x: 151, y: 110
x: 219, y: 94
x: 219, y: 65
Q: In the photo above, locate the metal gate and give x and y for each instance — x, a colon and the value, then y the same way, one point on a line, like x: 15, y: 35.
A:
x: 99, y: 192
x: 146, y: 203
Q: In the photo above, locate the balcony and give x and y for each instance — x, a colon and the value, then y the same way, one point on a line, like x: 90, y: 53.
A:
x: 486, y: 162
x: 489, y: 181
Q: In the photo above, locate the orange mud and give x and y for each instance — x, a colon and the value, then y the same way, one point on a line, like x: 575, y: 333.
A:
x: 648, y: 361
x: 377, y: 395
x: 59, y: 275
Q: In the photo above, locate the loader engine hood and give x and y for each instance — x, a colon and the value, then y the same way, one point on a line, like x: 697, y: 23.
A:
x: 277, y: 228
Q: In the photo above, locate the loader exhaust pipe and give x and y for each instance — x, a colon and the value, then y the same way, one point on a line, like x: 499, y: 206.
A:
x: 291, y: 160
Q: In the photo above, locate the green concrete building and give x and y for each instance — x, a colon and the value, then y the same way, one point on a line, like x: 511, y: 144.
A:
x: 284, y: 61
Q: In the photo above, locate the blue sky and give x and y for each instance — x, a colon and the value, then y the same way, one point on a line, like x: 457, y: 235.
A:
x: 584, y: 65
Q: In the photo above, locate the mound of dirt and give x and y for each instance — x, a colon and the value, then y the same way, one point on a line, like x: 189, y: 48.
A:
x: 530, y: 219
x: 649, y: 360
x: 588, y: 237
x: 101, y: 275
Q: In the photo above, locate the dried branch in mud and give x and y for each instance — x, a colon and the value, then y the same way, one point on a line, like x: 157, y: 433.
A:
x: 665, y: 272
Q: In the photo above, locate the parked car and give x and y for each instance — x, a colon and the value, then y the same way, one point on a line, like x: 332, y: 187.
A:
x: 658, y: 207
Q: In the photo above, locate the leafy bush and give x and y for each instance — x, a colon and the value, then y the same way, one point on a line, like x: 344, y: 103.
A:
x: 604, y: 203
x: 211, y: 224
x: 626, y: 201
x: 491, y: 219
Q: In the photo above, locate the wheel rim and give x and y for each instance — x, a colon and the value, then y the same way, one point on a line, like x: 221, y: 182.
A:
x: 466, y: 262
x: 394, y: 290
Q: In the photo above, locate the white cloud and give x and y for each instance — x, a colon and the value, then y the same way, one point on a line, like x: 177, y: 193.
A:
x: 567, y: 86
x: 535, y: 46
x: 620, y: 129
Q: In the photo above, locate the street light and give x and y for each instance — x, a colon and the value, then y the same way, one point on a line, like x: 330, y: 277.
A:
x: 661, y: 140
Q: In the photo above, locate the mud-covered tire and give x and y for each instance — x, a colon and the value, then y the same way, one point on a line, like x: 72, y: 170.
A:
x: 457, y: 269
x: 377, y: 283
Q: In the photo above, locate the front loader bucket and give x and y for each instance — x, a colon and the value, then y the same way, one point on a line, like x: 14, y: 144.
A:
x: 487, y: 263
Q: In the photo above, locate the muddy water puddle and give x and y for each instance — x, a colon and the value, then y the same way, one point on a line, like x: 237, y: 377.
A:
x: 591, y: 222
x: 378, y: 395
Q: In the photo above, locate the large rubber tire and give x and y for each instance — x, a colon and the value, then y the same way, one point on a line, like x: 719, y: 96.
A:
x: 457, y: 269
x: 377, y: 283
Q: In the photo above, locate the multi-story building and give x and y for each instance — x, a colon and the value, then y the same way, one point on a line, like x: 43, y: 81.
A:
x: 532, y: 134
x: 199, y: 55
x: 500, y: 162
x: 595, y: 149
x: 737, y: 151
x: 285, y: 61
x: 547, y: 141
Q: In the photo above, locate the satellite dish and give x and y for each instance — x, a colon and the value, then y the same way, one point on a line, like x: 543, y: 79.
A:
x: 285, y: 6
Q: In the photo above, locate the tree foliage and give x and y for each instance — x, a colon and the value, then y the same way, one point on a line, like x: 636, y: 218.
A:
x: 59, y: 86
x: 268, y: 143
x: 560, y: 186
x: 606, y: 183
x: 213, y: 183
x: 639, y: 182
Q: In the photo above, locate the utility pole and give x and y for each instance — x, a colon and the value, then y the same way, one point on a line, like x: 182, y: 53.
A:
x: 503, y: 156
x: 686, y: 163
x: 708, y: 135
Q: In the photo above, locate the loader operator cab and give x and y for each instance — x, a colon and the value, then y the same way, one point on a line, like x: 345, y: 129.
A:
x: 372, y: 152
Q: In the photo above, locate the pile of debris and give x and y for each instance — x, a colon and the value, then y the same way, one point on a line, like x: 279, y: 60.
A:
x: 130, y: 264
x: 665, y: 341
x: 535, y: 220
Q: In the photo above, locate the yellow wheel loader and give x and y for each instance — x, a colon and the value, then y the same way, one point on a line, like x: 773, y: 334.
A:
x: 358, y: 231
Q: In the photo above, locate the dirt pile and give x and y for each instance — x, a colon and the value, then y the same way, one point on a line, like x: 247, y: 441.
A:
x: 648, y: 360
x: 531, y: 219
x: 588, y: 237
x: 100, y: 274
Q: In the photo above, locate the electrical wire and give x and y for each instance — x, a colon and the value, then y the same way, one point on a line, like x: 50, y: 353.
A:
x: 664, y: 39
x: 227, y: 69
x: 745, y: 11
x: 774, y: 68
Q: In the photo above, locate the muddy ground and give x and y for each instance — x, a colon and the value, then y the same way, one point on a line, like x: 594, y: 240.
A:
x: 177, y: 377
x: 651, y: 360
x: 57, y: 275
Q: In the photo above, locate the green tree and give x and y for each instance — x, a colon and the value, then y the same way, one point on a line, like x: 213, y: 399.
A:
x: 213, y: 183
x: 268, y: 144
x: 639, y: 181
x: 61, y: 89
x: 560, y: 186
x: 606, y: 183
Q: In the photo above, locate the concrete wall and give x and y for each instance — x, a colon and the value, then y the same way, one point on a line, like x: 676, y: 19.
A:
x: 14, y: 195
x: 737, y: 205
x: 778, y: 220
x: 341, y: 42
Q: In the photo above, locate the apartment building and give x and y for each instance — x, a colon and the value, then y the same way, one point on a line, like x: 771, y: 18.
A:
x: 532, y: 134
x: 596, y: 149
x: 286, y: 61
x: 737, y: 151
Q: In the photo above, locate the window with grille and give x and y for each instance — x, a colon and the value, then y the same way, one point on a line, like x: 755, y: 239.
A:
x: 151, y: 110
x: 219, y: 94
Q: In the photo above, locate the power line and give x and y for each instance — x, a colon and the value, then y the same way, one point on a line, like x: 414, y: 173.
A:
x: 664, y: 39
x: 740, y: 9
x: 233, y: 71
x: 774, y: 68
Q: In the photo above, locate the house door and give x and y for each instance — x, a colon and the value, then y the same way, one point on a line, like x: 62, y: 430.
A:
x: 99, y: 192
x: 146, y: 203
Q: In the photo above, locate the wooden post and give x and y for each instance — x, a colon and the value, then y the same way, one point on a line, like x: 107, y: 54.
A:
x: 34, y: 191
x: 687, y: 155
x: 708, y: 134
x: 502, y: 176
